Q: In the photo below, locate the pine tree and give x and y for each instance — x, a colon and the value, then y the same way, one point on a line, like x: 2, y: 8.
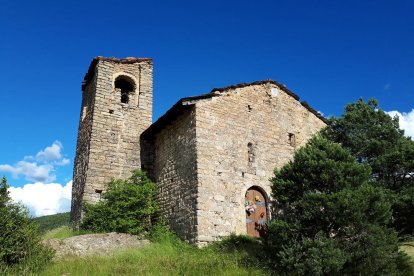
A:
x: 328, y: 218
x: 376, y: 139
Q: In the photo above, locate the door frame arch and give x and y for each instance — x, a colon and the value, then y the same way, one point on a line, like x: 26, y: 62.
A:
x: 267, y: 208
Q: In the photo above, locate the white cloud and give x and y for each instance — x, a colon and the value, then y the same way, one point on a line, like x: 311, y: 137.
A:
x: 63, y: 162
x: 39, y: 168
x: 44, y: 199
x: 30, y: 170
x: 50, y: 153
x: 406, y: 121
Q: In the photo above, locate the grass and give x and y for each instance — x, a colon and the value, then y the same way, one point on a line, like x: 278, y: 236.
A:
x: 165, y: 257
x: 62, y: 232
x: 168, y: 255
x: 408, y: 248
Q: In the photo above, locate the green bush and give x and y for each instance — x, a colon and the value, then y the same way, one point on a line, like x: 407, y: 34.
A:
x: 20, y: 248
x: 328, y: 217
x: 127, y: 206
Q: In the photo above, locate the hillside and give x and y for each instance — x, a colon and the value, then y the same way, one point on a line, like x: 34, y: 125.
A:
x: 47, y: 223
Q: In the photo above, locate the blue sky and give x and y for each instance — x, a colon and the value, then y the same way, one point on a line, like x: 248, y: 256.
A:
x: 328, y: 52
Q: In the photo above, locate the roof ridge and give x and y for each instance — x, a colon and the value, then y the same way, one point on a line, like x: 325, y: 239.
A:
x: 260, y: 82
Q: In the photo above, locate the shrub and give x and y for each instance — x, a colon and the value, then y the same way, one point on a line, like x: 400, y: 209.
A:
x: 20, y: 246
x: 328, y: 217
x: 127, y: 206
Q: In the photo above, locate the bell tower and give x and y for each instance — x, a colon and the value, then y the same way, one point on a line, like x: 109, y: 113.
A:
x: 116, y: 109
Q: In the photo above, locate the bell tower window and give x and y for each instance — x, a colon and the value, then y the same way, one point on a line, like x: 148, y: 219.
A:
x: 126, y: 88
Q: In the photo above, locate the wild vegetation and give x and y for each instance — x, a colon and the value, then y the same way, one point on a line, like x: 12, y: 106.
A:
x: 127, y: 206
x: 20, y: 248
x: 329, y: 217
x: 375, y: 139
x: 168, y: 255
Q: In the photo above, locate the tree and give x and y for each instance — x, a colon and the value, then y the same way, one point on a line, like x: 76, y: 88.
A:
x: 376, y: 139
x: 328, y: 218
x: 127, y: 206
x: 20, y: 246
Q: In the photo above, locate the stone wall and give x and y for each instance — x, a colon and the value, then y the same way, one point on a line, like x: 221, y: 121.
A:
x: 82, y: 149
x: 175, y: 172
x: 108, y: 140
x: 242, y: 135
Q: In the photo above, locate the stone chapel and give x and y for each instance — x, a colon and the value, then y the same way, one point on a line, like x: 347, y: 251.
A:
x: 211, y: 155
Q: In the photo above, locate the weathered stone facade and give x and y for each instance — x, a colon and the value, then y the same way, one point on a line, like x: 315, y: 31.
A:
x: 175, y: 172
x: 242, y: 135
x: 204, y: 153
x: 209, y: 150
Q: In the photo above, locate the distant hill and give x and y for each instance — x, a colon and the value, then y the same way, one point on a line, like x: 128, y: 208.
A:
x: 53, y: 221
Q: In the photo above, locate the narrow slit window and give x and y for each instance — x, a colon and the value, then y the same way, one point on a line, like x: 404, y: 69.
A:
x: 84, y: 111
x: 292, y: 139
x: 250, y: 154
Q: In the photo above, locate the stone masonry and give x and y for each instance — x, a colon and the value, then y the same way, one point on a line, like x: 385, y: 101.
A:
x: 204, y: 153
x: 109, y: 129
x: 242, y: 135
x: 175, y: 172
x: 210, y: 149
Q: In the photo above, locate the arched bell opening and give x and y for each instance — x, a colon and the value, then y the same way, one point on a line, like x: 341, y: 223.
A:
x: 126, y: 86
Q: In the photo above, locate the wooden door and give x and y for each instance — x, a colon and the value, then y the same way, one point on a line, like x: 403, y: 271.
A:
x: 256, y: 212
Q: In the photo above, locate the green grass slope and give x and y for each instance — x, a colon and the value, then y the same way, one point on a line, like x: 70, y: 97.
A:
x: 172, y: 258
x: 157, y: 259
x: 408, y: 247
x: 168, y: 255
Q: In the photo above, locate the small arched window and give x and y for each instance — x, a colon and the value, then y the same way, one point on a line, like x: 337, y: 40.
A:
x: 126, y: 86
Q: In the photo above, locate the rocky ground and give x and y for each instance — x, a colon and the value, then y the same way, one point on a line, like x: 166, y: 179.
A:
x: 94, y: 244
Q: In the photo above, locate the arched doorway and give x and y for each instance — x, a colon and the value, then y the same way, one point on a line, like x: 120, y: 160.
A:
x: 256, y: 211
